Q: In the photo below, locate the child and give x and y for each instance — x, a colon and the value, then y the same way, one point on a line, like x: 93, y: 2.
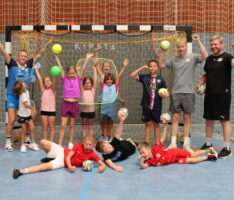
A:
x: 151, y: 101
x: 71, y: 93
x: 60, y: 157
x: 117, y: 149
x: 24, y: 115
x: 48, y: 110
x: 156, y: 156
x: 88, y: 89
x: 109, y: 87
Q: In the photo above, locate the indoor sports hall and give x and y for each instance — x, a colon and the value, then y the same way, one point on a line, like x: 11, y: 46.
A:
x: 113, y: 30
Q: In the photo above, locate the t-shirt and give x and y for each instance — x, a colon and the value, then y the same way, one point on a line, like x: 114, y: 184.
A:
x: 23, y: 111
x: 151, y: 85
x: 71, y: 87
x: 183, y: 73
x: 48, y: 100
x: 218, y: 71
x: 80, y: 155
x: 15, y: 73
x: 88, y: 97
x: 121, y: 150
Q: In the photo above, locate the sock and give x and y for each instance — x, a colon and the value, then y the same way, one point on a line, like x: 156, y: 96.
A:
x: 227, y: 144
x: 173, y: 140
x: 186, y: 141
x: 8, y: 139
x: 207, y: 150
x: 24, y: 171
x: 208, y: 141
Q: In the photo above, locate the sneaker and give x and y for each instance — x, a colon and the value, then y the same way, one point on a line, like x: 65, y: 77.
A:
x: 70, y: 145
x: 46, y: 160
x: 27, y: 139
x: 33, y: 146
x: 23, y: 148
x: 212, y: 157
x: 8, y: 146
x: 171, y: 146
x: 187, y: 148
x: 16, y: 173
x: 225, y: 152
x: 205, y: 146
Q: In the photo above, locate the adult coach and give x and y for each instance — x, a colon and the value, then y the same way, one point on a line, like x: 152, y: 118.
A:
x: 183, y: 86
x: 17, y: 70
x: 217, y: 100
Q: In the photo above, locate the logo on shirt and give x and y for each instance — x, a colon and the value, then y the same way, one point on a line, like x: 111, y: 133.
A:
x: 152, y: 86
x: 220, y: 60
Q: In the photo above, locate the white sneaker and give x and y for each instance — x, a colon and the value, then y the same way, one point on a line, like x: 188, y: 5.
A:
x: 33, y: 146
x: 171, y: 146
x: 70, y: 145
x: 23, y: 148
x: 8, y: 146
x: 187, y: 148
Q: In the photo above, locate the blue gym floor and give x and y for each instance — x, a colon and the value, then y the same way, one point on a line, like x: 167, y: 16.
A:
x: 206, y: 180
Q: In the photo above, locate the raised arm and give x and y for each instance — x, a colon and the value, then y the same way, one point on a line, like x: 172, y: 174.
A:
x: 60, y: 66
x: 135, y: 75
x: 5, y: 54
x: 119, y: 129
x: 162, y: 58
x: 125, y: 63
x: 88, y: 56
x: 95, y: 73
x: 201, y: 47
x: 39, y: 77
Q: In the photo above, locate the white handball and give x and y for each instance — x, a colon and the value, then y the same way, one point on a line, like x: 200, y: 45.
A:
x: 165, y: 118
x: 163, y: 93
x: 201, y: 89
x: 123, y: 112
x: 87, y: 165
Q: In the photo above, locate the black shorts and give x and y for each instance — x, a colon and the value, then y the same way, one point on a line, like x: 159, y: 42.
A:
x: 128, y: 146
x: 217, y: 106
x: 48, y: 113
x: 151, y: 115
x: 89, y: 115
x: 23, y: 120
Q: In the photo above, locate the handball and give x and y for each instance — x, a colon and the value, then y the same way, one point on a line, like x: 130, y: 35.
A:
x: 201, y: 89
x: 87, y: 165
x: 165, y: 44
x: 165, y: 118
x: 56, y: 49
x: 55, y: 70
x: 163, y: 92
x: 123, y: 112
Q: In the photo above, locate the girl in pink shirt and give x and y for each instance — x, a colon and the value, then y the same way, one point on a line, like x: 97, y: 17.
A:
x: 71, y: 92
x: 88, y: 89
x: 48, y: 106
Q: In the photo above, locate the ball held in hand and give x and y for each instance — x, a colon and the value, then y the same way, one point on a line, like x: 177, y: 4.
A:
x: 163, y: 92
x: 165, y: 44
x: 87, y: 165
x: 165, y: 118
x: 123, y: 112
x: 55, y: 70
x: 56, y: 49
x: 201, y: 89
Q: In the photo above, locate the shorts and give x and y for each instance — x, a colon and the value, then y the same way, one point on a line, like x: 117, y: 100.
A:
x: 12, y: 101
x: 151, y: 115
x: 89, y: 115
x: 129, y: 147
x: 46, y: 113
x: 105, y: 118
x: 23, y: 120
x: 182, y: 102
x: 70, y: 109
x: 217, y: 106
x: 56, y: 152
x: 180, y: 155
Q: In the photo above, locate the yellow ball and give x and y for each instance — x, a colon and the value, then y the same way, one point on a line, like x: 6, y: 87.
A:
x: 165, y: 44
x: 56, y: 49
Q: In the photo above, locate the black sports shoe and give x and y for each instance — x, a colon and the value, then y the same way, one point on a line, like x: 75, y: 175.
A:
x: 212, y: 157
x: 16, y: 173
x: 205, y: 146
x: 225, y: 152
x: 46, y: 160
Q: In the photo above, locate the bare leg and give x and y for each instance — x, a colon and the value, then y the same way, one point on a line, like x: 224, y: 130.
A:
x: 11, y: 120
x: 72, y: 129
x: 147, y: 131
x: 32, y: 129
x: 209, y: 128
x: 187, y: 124
x: 23, y: 131
x: 111, y: 129
x: 196, y: 159
x: 90, y: 126
x: 62, y: 129
x: 45, y: 125
x: 156, y: 132
x: 84, y: 126
x: 175, y: 124
x: 51, y: 126
x: 226, y: 125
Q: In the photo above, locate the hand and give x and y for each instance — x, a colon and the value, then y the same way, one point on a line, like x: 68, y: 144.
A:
x: 72, y: 169
x: 145, y: 67
x: 139, y: 157
x: 196, y: 37
x: 125, y: 62
x: 95, y: 62
x: 89, y: 55
x: 101, y: 168
x: 122, y: 102
x: 119, y: 169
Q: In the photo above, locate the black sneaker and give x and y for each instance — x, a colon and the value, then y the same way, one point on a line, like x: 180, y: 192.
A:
x: 212, y: 157
x: 225, y: 152
x: 16, y: 173
x: 205, y: 146
x: 46, y: 160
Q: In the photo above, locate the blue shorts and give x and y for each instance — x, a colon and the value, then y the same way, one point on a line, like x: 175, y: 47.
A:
x: 151, y: 115
x: 12, y: 101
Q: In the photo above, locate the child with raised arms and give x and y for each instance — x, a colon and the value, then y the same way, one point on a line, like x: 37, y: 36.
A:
x: 71, y: 92
x: 61, y: 157
x: 157, y: 156
x: 24, y: 115
x: 48, y: 103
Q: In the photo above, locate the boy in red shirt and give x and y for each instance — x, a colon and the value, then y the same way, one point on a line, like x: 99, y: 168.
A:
x: 157, y: 156
x: 70, y: 158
